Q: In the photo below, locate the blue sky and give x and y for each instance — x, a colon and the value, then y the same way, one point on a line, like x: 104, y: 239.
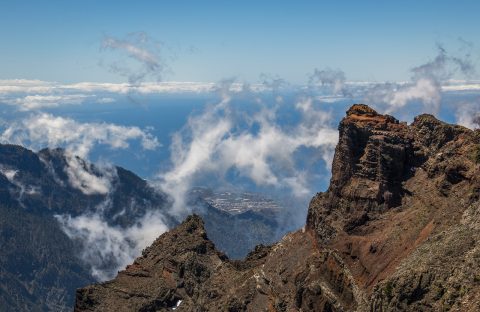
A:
x: 212, y: 40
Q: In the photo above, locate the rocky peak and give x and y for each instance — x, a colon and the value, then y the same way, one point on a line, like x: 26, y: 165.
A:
x: 367, y: 116
x: 173, y: 268
x: 374, y: 155
x: 372, y: 146
x: 362, y: 109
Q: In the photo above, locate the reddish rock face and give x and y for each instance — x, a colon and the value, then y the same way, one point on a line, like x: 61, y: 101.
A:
x: 398, y: 229
x: 374, y: 156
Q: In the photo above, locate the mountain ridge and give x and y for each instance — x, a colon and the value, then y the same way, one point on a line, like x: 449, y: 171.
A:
x: 396, y: 231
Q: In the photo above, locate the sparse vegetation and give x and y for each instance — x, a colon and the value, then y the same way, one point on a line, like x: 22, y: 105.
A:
x: 389, y: 289
x: 476, y: 154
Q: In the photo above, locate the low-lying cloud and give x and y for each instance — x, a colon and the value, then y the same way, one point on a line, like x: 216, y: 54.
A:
x: 106, y: 248
x: 83, y: 177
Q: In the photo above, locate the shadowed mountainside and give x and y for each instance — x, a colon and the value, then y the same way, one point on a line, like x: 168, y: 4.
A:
x: 397, y: 230
x: 40, y: 266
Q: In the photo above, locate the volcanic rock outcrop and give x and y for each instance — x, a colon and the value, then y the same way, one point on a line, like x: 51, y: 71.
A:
x: 397, y: 230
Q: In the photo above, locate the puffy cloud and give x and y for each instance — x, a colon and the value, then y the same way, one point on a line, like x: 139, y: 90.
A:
x: 256, y: 145
x: 40, y: 130
x: 396, y: 96
x: 444, y: 66
x: 425, y: 85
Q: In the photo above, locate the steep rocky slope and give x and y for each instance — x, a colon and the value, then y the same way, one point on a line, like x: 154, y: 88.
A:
x: 397, y: 230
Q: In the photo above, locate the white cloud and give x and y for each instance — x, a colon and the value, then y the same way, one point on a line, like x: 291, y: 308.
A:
x: 468, y: 114
x: 11, y: 175
x: 36, y: 94
x: 40, y: 130
x: 461, y: 86
x: 423, y: 89
x: 425, y: 85
x: 264, y: 152
x: 16, y: 88
x: 8, y: 173
x: 397, y: 96
x: 45, y: 130
x: 106, y: 248
x: 25, y: 86
x: 34, y: 102
x: 82, y: 176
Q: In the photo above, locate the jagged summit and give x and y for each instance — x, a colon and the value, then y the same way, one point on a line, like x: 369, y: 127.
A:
x: 361, y: 109
x: 364, y: 113
x: 397, y: 230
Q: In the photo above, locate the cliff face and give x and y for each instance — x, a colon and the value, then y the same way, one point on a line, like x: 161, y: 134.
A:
x: 397, y: 230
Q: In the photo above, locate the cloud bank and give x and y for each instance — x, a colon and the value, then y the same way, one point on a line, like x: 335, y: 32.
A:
x: 35, y: 102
